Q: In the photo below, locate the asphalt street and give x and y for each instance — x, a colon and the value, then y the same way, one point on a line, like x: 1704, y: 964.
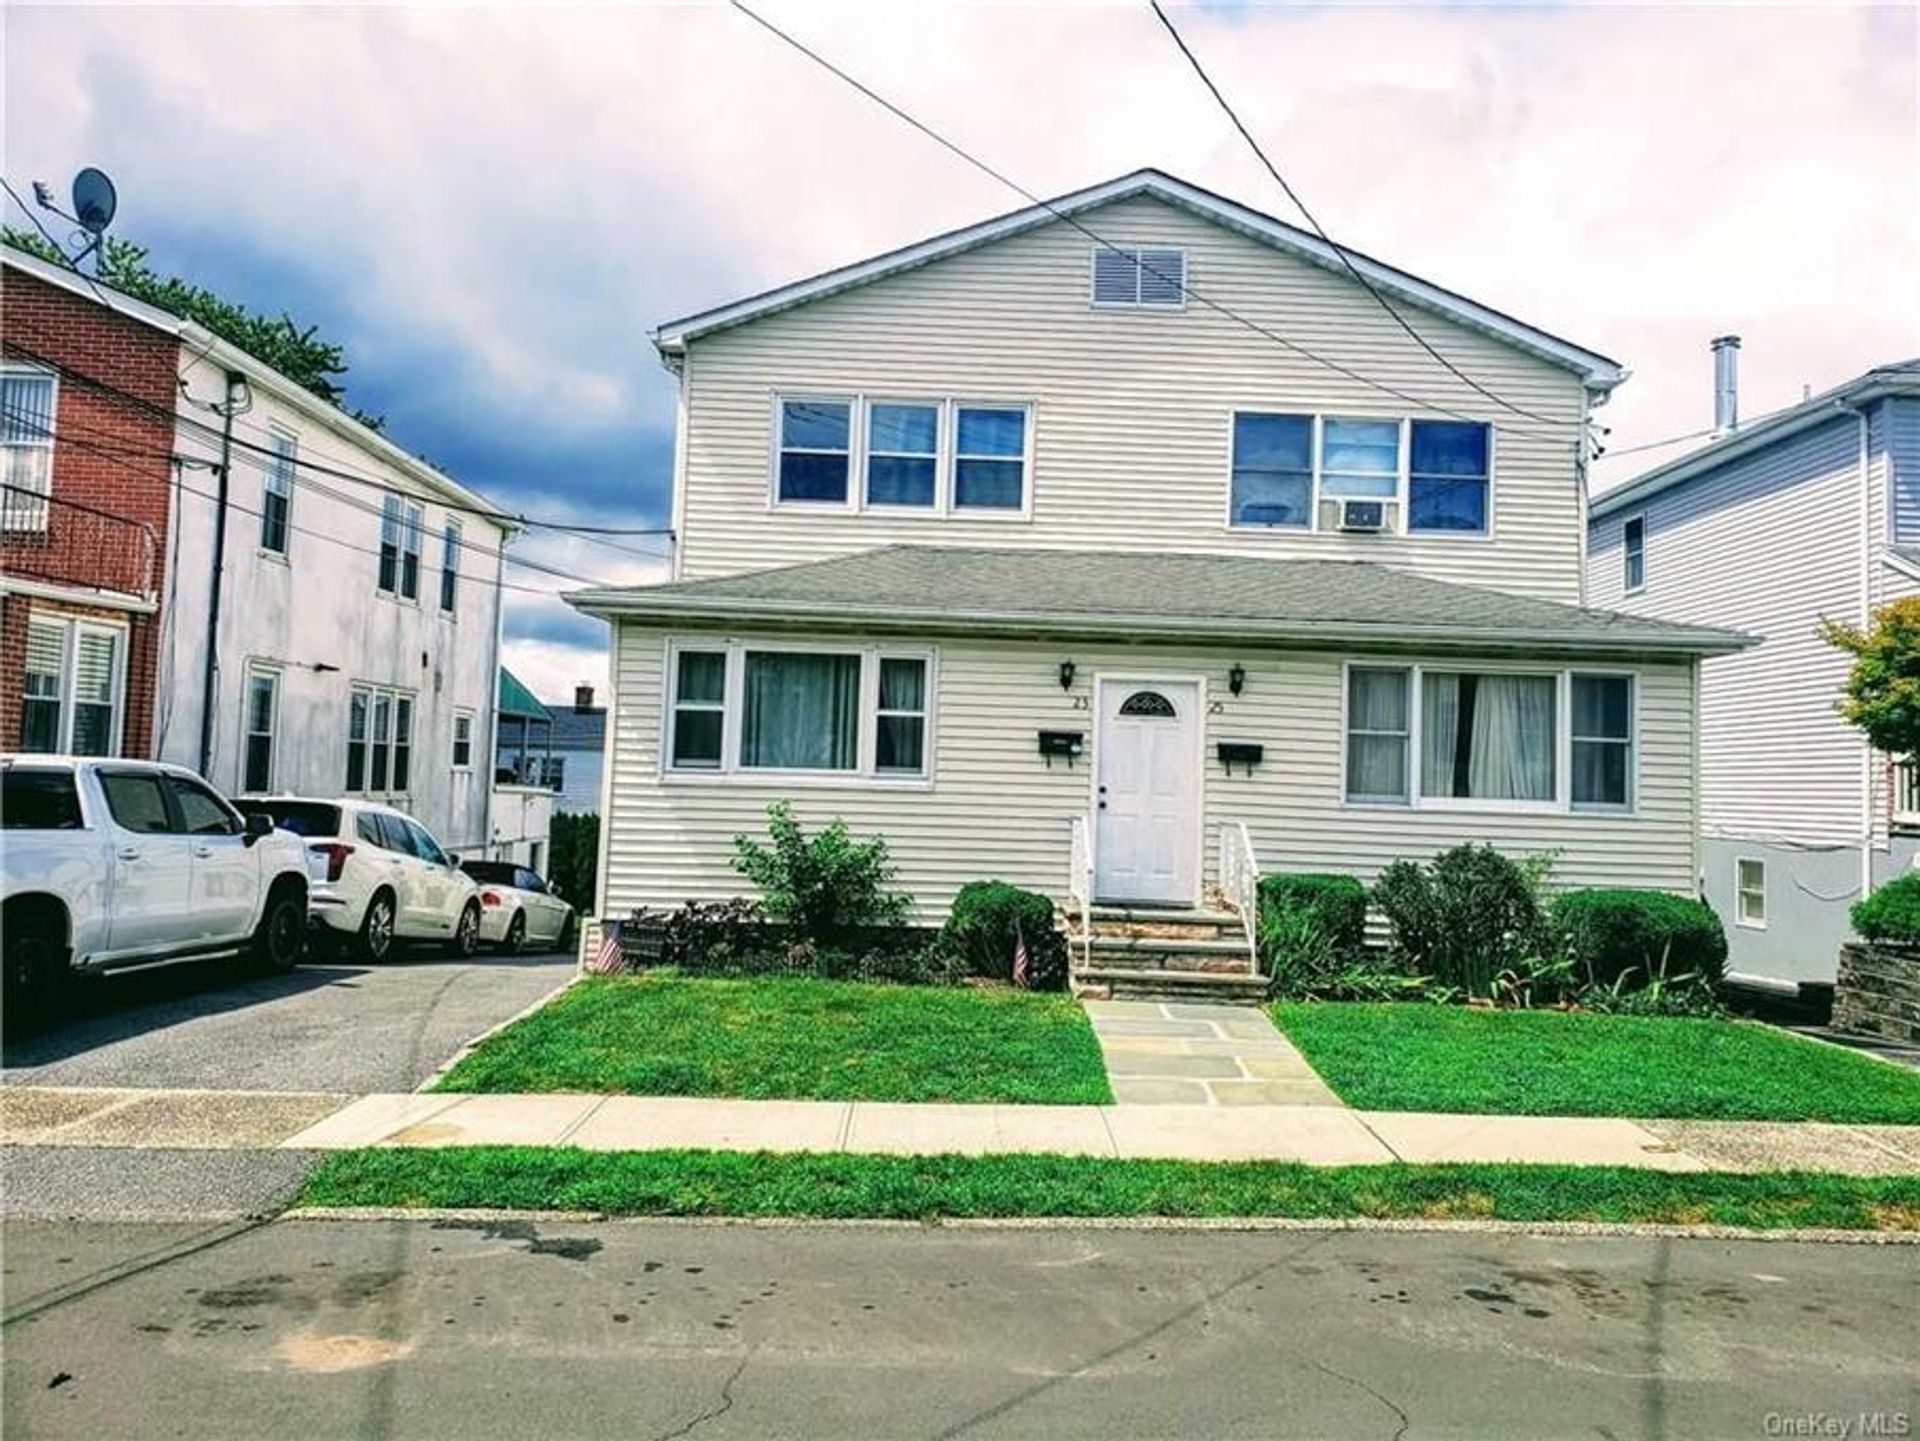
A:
x: 334, y: 1027
x: 320, y: 1329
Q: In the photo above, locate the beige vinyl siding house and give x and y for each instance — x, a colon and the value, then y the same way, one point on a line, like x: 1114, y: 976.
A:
x: 1115, y: 593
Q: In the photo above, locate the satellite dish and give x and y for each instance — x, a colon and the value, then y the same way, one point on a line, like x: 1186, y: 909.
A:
x: 94, y: 200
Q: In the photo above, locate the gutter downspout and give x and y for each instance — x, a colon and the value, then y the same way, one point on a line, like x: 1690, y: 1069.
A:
x: 210, y: 680
x: 1859, y: 413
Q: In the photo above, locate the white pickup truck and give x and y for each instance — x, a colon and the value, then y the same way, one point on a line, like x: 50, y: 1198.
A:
x: 115, y: 864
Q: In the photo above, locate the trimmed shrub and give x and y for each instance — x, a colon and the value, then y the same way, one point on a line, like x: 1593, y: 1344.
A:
x: 737, y: 938
x: 573, y: 870
x: 1891, y: 913
x: 1627, y: 939
x: 1467, y: 917
x: 1310, y: 929
x: 990, y: 919
x: 824, y: 886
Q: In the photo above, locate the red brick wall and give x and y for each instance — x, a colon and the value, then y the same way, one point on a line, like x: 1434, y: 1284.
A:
x: 109, y: 454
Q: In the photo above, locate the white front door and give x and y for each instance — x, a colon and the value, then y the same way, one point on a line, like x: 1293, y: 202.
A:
x: 1147, y: 792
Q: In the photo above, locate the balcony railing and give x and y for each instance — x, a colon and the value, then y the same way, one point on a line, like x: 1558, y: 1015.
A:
x: 61, y: 542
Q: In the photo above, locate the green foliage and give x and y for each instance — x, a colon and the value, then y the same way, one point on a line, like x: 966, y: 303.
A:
x: 1312, y: 930
x: 825, y: 886
x: 1469, y: 915
x: 990, y: 918
x: 1891, y: 913
x: 1621, y: 940
x: 738, y: 938
x: 573, y: 863
x: 313, y: 364
x: 1883, y: 687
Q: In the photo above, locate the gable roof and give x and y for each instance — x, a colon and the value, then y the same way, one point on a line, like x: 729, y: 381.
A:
x: 1600, y: 373
x: 969, y: 591
x: 1902, y: 377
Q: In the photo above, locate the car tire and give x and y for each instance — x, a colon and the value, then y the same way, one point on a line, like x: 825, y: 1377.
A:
x: 282, y: 933
x: 516, y: 939
x: 466, y: 935
x: 377, y: 928
x: 34, y: 976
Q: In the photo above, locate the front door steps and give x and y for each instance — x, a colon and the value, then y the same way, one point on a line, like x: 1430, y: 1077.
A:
x: 1165, y: 953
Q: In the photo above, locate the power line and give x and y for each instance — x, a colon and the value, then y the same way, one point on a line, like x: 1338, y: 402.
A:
x: 1338, y: 249
x: 47, y: 235
x: 1178, y: 282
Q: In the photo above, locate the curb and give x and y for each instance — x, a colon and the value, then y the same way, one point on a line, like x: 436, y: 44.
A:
x: 474, y: 1043
x: 1613, y: 1229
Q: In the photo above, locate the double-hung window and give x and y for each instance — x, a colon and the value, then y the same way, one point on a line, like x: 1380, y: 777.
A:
x: 743, y: 708
x: 816, y: 450
x: 71, y: 685
x: 1272, y: 469
x: 903, y: 454
x: 989, y: 457
x: 463, y: 740
x: 379, y: 740
x: 26, y: 447
x: 449, y: 565
x: 1359, y: 459
x: 400, y: 527
x: 1633, y: 554
x: 1449, y: 475
x: 1450, y: 737
x: 276, y: 496
x: 1750, y: 893
x: 262, y: 717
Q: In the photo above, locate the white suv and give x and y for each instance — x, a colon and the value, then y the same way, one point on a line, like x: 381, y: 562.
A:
x: 377, y: 876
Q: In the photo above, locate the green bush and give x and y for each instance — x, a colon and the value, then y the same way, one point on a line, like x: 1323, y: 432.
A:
x: 1311, y: 929
x: 1628, y: 939
x: 824, y: 887
x: 738, y: 938
x: 1465, y: 918
x: 990, y: 918
x: 573, y: 846
x: 1891, y: 913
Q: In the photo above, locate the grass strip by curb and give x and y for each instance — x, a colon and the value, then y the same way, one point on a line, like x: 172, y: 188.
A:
x: 843, y: 1187
x: 1412, y: 1057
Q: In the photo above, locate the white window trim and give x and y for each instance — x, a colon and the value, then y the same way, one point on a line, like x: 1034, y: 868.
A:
x: 259, y: 670
x: 413, y: 519
x: 1632, y: 742
x: 8, y: 500
x: 1625, y: 521
x: 1562, y: 802
x: 1402, y: 498
x: 730, y: 772
x: 74, y: 627
x: 392, y: 695
x: 452, y: 538
x: 1133, y: 249
x: 946, y: 457
x: 277, y: 433
x: 462, y: 713
x: 1739, y: 911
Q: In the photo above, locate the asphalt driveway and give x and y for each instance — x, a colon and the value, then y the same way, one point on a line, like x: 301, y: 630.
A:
x: 332, y: 1026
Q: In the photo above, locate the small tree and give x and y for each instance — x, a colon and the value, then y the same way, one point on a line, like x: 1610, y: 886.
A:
x: 1882, y: 696
x: 826, y: 885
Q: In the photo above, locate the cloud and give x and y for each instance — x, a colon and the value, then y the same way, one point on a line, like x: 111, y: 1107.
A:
x: 493, y: 206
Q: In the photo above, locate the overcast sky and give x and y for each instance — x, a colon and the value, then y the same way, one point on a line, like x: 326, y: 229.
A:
x: 491, y: 208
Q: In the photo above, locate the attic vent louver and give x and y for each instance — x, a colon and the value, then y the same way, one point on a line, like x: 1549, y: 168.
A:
x: 1149, y: 276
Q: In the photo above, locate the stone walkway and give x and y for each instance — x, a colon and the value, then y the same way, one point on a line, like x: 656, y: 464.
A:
x: 1192, y: 1054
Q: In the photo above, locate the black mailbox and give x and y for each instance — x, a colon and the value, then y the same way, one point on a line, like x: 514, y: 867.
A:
x: 1066, y: 744
x: 1240, y: 753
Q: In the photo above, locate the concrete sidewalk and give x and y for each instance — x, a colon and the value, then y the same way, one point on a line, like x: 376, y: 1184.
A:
x: 1317, y: 1135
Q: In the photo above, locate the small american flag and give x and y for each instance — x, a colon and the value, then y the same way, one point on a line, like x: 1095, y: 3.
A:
x: 609, y: 957
x: 1019, y: 959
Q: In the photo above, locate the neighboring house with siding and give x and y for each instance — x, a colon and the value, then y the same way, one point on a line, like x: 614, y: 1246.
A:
x: 1063, y: 563
x: 579, y: 746
x: 357, y: 626
x: 1808, y: 513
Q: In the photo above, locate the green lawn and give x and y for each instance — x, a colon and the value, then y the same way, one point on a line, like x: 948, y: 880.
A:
x: 660, y: 1035
x: 1546, y: 1063
x: 714, y: 1183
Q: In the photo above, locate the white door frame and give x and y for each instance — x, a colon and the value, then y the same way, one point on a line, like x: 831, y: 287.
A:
x: 1198, y: 680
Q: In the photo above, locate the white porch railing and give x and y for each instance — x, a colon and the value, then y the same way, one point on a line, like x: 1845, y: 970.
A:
x: 1080, y: 881
x: 1240, y: 880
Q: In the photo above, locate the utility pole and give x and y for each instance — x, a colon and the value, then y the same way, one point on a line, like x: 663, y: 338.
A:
x: 237, y: 398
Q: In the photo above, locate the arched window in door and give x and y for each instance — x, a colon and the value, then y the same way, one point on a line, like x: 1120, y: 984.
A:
x: 1148, y: 703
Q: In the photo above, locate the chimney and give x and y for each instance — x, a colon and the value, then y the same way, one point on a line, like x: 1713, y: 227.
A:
x: 1726, y: 385
x: 583, y: 698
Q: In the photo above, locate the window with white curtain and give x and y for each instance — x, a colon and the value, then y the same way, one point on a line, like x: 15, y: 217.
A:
x: 26, y: 447
x: 71, y: 687
x: 744, y: 708
x: 1359, y: 459
x: 1420, y: 735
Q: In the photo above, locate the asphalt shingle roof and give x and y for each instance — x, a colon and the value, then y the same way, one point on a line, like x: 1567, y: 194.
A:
x: 1144, y: 593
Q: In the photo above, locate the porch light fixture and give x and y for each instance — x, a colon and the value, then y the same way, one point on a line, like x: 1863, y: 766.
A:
x: 1066, y: 675
x: 1237, y: 678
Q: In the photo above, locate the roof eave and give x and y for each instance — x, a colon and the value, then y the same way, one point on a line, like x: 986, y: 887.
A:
x: 636, y: 605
